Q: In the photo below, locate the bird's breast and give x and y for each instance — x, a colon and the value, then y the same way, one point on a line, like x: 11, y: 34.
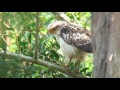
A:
x: 65, y: 47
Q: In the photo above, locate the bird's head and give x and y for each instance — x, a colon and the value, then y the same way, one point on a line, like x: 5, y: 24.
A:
x: 55, y: 26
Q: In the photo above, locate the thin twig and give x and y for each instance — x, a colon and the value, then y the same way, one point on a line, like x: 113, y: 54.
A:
x: 75, y: 19
x: 36, y: 37
x: 61, y: 16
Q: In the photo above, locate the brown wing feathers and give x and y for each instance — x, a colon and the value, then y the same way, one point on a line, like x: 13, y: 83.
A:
x: 77, y: 37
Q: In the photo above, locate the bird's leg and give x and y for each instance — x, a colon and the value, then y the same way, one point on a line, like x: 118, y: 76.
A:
x: 68, y: 64
x: 77, y: 66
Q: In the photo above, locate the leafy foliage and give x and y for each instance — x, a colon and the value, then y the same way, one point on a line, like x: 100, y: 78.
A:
x: 17, y: 34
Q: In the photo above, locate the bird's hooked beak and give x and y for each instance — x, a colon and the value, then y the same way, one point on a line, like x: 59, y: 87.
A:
x: 50, y: 31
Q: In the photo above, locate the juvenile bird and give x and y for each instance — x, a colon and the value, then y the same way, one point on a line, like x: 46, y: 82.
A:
x: 74, y: 41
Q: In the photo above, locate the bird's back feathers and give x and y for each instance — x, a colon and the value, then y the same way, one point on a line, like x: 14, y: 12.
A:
x: 77, y: 36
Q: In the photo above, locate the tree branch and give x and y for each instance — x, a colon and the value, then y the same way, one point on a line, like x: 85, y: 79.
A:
x: 61, y: 16
x: 36, y: 37
x: 41, y: 62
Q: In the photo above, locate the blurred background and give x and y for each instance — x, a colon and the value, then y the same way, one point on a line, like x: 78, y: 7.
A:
x: 17, y: 34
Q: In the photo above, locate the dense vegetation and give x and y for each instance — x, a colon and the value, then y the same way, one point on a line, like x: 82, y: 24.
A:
x: 17, y: 34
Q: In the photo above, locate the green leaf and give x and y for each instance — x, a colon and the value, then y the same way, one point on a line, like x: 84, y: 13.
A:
x: 84, y: 69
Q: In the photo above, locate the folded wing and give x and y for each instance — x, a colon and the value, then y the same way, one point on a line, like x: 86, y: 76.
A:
x: 77, y: 36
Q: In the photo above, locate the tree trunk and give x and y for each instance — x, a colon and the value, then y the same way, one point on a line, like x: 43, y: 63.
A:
x: 106, y: 44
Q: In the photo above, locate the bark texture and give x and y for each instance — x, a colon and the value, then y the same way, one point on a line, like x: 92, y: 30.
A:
x: 106, y: 44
